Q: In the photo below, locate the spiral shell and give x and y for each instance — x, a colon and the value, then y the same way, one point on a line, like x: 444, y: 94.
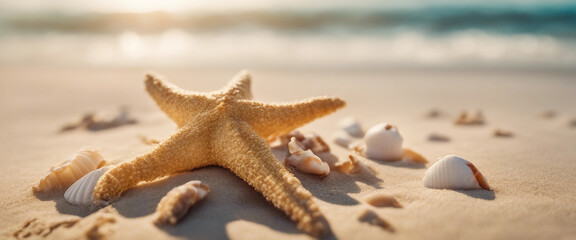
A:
x: 66, y: 173
x: 383, y: 142
x: 82, y: 191
x: 305, y: 161
x: 178, y: 201
x: 453, y: 172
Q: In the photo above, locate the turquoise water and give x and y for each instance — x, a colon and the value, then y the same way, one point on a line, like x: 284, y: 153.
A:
x: 489, y: 34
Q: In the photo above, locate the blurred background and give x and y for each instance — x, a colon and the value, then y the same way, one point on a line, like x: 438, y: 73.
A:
x: 494, y: 34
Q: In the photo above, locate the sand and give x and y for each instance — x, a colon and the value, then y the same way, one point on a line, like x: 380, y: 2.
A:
x: 532, y: 173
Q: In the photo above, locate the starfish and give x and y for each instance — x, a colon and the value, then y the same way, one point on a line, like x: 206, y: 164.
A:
x: 226, y: 128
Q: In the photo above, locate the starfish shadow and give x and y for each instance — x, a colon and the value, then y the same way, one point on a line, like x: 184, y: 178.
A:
x: 230, y: 200
x: 335, y: 187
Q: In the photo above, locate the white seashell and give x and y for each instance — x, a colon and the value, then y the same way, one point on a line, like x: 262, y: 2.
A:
x: 82, y: 191
x: 383, y: 142
x: 342, y: 139
x: 453, y: 172
x: 66, y: 173
x: 305, y: 161
x: 352, y: 127
x: 178, y: 201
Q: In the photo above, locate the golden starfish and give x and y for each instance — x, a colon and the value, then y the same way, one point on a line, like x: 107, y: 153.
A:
x: 226, y: 128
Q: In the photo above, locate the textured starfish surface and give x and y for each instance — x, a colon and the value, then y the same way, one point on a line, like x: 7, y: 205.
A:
x: 226, y: 128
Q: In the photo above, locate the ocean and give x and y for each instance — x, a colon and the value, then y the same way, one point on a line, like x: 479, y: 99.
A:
x: 376, y: 35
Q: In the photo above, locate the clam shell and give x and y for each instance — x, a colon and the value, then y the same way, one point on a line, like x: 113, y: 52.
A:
x: 66, y: 173
x: 82, y: 191
x: 453, y: 172
x: 305, y: 161
x: 178, y: 201
x: 383, y: 142
x: 352, y: 127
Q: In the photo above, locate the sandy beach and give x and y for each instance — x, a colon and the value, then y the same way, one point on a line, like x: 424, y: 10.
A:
x: 531, y: 173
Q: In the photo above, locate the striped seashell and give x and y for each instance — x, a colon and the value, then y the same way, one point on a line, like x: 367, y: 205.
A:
x: 178, y: 201
x: 82, y: 191
x: 453, y: 172
x: 66, y: 173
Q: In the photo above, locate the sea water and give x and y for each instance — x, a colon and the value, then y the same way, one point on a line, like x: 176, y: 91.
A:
x: 346, y: 34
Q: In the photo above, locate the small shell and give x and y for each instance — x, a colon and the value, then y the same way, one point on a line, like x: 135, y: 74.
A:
x: 414, y: 157
x: 548, y: 114
x: 82, y: 191
x: 66, y: 173
x: 383, y: 142
x: 342, y: 139
x: 350, y: 167
x: 372, y: 218
x: 178, y: 201
x: 382, y: 200
x: 305, y: 161
x: 352, y: 127
x: 502, y: 133
x: 435, y: 137
x: 453, y: 172
x: 315, y: 143
x: 465, y: 119
x: 434, y: 113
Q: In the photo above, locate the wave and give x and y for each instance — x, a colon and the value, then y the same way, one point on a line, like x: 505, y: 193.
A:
x: 553, y: 20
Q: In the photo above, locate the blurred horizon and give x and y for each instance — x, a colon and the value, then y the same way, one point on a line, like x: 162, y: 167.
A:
x: 327, y: 34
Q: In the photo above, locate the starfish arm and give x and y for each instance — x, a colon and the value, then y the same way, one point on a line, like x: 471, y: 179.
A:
x: 271, y: 120
x: 178, y: 153
x: 239, y: 86
x: 248, y: 156
x: 173, y: 100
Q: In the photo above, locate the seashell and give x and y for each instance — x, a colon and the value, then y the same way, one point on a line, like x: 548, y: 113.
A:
x: 548, y: 114
x: 502, y: 133
x: 350, y: 167
x: 315, y: 143
x: 434, y: 113
x: 178, y: 201
x: 305, y: 161
x: 453, y: 172
x: 382, y: 200
x: 414, y: 157
x: 351, y: 126
x: 372, y: 218
x: 435, y: 137
x: 342, y: 139
x: 383, y: 142
x: 66, y: 173
x: 465, y: 119
x: 573, y: 123
x: 82, y: 191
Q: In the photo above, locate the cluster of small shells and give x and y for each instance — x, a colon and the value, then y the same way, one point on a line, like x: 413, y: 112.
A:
x: 465, y: 119
x: 66, y: 173
x: 178, y: 201
x: 305, y: 160
x: 101, y: 121
x: 308, y: 141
